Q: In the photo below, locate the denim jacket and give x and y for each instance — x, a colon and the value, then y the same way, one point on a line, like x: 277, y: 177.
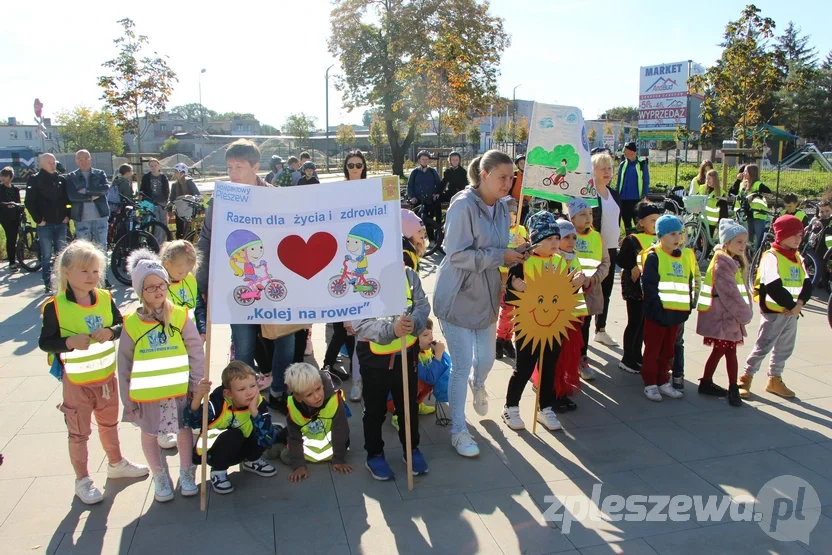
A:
x: 99, y: 186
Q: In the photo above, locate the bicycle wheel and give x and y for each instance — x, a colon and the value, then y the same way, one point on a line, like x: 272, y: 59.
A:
x: 160, y: 231
x: 755, y: 264
x: 124, y: 246
x: 192, y: 236
x: 27, y: 251
x: 696, y: 240
x: 438, y: 237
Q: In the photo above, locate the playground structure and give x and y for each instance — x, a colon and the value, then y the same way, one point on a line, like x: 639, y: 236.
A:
x: 809, y: 150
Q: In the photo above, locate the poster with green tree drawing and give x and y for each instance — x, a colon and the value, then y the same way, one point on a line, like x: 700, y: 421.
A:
x: 558, y: 163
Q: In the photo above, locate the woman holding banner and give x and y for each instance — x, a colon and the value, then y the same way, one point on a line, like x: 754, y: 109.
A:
x: 606, y: 219
x: 467, y: 297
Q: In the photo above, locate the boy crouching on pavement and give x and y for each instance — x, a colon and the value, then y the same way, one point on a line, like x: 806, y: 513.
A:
x: 379, y: 354
x: 317, y: 422
x: 239, y: 425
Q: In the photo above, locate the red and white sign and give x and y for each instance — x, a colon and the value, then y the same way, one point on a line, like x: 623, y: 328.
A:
x: 38, y: 108
x: 663, y: 95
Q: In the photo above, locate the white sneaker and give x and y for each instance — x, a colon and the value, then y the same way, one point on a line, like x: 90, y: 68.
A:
x: 465, y: 444
x: 86, y: 491
x: 547, y: 418
x: 187, y: 481
x: 668, y: 391
x: 356, y: 390
x: 126, y: 469
x: 652, y: 393
x: 220, y: 482
x: 166, y: 441
x: 604, y: 338
x: 480, y: 398
x: 162, y: 490
x: 511, y: 416
x: 587, y: 373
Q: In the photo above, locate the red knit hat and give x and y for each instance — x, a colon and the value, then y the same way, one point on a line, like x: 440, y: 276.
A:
x: 787, y: 226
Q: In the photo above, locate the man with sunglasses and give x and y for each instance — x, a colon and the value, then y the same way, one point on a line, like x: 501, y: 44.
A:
x: 425, y: 186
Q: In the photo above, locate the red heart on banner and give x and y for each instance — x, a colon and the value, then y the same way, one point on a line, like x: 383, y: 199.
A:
x: 307, y: 258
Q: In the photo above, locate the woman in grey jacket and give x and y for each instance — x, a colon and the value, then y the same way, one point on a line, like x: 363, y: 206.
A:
x: 467, y: 297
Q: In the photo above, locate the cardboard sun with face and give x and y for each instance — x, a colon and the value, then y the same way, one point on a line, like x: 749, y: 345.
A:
x: 544, y: 312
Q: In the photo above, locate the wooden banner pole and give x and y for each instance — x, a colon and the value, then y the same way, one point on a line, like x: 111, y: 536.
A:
x: 203, y: 498
x: 539, y: 384
x: 407, y: 416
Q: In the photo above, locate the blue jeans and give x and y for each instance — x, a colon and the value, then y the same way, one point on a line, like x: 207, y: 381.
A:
x: 284, y: 354
x: 244, y: 337
x: 679, y: 353
x: 94, y: 231
x: 52, y: 239
x: 756, y: 232
x: 467, y: 348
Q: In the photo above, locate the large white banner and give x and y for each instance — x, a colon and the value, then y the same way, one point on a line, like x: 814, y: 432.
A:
x: 558, y: 164
x: 317, y: 253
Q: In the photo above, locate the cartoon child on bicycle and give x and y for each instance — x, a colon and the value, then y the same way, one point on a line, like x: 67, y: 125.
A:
x: 363, y: 240
x: 245, y: 248
x: 561, y: 172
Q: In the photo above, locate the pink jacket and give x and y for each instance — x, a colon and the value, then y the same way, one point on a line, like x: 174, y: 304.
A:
x: 729, y: 313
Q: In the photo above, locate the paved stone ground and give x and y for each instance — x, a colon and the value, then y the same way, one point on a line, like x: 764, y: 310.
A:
x: 494, y: 504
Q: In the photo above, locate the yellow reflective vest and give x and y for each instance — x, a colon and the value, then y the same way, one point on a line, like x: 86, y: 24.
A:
x: 396, y: 345
x: 645, y: 240
x: 758, y: 203
x: 160, y: 359
x: 675, y: 275
x: 229, y: 418
x: 98, y: 362
x: 317, y: 431
x: 791, y: 274
x: 183, y: 293
x: 707, y: 294
x: 589, y: 248
x: 535, y: 264
x: 712, y: 210
x: 575, y: 265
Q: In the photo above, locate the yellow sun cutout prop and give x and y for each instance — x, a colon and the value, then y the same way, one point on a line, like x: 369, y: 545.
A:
x: 545, y: 312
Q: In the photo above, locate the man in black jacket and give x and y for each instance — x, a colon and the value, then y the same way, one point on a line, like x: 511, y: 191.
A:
x: 48, y: 203
x: 455, y: 177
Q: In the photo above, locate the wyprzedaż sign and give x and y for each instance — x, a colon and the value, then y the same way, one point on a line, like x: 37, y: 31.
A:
x: 663, y: 97
x: 319, y: 253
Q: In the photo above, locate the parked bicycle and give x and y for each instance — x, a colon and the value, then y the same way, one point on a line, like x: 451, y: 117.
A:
x: 131, y: 236
x: 437, y: 230
x: 190, y: 209
x: 364, y: 286
x: 147, y: 216
x: 27, y: 249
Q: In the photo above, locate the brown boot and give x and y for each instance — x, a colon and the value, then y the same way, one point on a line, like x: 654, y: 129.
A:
x: 775, y: 385
x: 744, y: 383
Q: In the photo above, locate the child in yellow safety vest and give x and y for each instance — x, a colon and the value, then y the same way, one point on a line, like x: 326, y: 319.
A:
x: 180, y: 261
x: 545, y: 233
x: 379, y: 353
x: 239, y: 425
x: 160, y: 361
x: 630, y: 261
x: 517, y: 235
x: 80, y: 324
x: 594, y: 261
x: 317, y: 421
x: 667, y: 282
x: 725, y: 309
x: 783, y: 288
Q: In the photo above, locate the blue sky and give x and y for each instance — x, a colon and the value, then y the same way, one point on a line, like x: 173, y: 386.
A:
x: 270, y: 59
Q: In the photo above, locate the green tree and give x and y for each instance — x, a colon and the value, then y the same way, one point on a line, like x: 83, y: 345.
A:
x: 621, y: 137
x: 299, y: 126
x: 413, y: 58
x: 592, y: 136
x: 621, y: 113
x: 93, y: 130
x: 367, y: 117
x: 345, y: 136
x: 500, y: 134
x: 170, y: 145
x: 266, y: 129
x: 473, y: 136
x: 137, y: 85
x: 232, y: 115
x: 521, y: 130
x: 744, y: 80
x: 667, y: 145
x: 801, y: 98
x: 192, y: 112
x: 377, y: 130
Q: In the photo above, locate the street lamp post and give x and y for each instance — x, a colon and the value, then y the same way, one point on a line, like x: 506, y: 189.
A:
x: 326, y: 78
x: 514, y: 121
x: 202, y: 120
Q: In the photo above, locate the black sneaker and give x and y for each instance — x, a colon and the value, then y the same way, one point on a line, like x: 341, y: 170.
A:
x: 499, y: 349
x: 708, y: 387
x: 678, y: 382
x: 47, y: 290
x: 509, y: 351
x: 340, y: 374
x: 560, y: 405
x: 734, y: 398
x: 570, y: 404
x: 278, y: 403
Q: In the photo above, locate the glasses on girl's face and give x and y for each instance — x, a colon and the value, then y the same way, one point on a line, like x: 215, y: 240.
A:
x: 356, y: 166
x: 154, y: 288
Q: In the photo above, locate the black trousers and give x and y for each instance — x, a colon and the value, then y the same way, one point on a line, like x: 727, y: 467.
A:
x: 526, y: 361
x: 181, y: 225
x: 231, y: 448
x: 10, y: 228
x: 628, y: 213
x: 606, y: 289
x: 433, y: 213
x: 378, y: 383
x: 633, y: 334
x: 300, y: 345
x: 340, y: 337
x: 585, y: 334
